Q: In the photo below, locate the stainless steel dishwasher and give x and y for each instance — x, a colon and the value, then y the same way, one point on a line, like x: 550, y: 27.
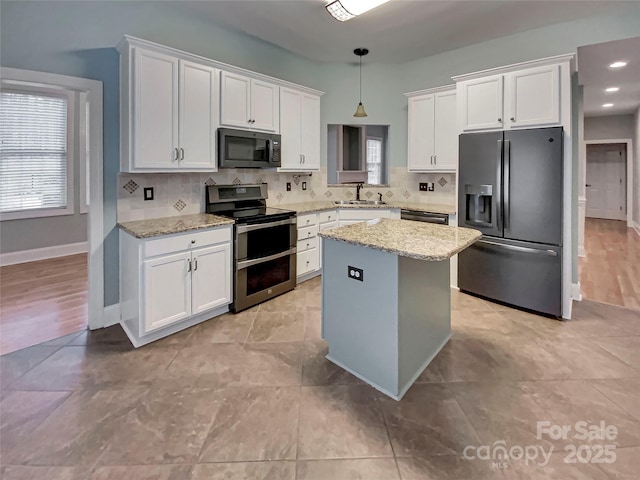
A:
x: 427, y: 217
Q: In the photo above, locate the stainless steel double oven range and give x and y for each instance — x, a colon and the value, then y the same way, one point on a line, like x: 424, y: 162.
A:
x: 265, y: 242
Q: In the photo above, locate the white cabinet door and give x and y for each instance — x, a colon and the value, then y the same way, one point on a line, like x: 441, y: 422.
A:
x: 421, y: 133
x: 198, y: 116
x: 310, y: 130
x: 155, y: 111
x: 265, y: 106
x: 211, y: 286
x: 445, y: 132
x: 167, y: 290
x: 235, y: 100
x: 290, y: 125
x: 534, y: 97
x: 482, y: 103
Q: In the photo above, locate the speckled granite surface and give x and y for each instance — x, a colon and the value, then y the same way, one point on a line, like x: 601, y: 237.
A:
x: 168, y: 225
x: 324, y: 205
x: 422, y: 241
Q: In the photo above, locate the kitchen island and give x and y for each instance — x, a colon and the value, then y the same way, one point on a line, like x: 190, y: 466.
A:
x: 386, y: 299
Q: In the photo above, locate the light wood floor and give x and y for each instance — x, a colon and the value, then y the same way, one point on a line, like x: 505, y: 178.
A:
x: 41, y: 301
x: 610, y: 273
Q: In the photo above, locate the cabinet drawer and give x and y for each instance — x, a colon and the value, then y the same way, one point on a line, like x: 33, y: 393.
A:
x: 307, y: 232
x: 307, y: 261
x: 327, y: 226
x: 331, y: 216
x: 307, y: 244
x: 186, y: 241
x: 364, y: 214
x: 307, y: 220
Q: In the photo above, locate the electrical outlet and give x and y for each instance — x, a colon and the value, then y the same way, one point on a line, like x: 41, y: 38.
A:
x: 431, y: 187
x: 288, y: 186
x: 423, y: 187
x: 304, y: 185
x: 355, y: 273
x: 148, y: 193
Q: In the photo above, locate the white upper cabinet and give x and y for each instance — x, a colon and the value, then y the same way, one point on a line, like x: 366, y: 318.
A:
x: 198, y: 116
x: 300, y: 130
x: 249, y: 103
x: 168, y: 113
x: 433, y: 134
x: 482, y: 103
x: 521, y: 96
x: 155, y: 111
x: 534, y: 97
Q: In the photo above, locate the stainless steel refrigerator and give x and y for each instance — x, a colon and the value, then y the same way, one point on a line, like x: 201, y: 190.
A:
x: 510, y: 188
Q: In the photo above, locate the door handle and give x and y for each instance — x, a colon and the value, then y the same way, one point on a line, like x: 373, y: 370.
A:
x: 435, y: 159
x: 498, y: 198
x: 188, y: 265
x: 175, y: 154
x: 507, y: 183
x: 181, y: 153
x: 548, y: 252
x: 588, y: 185
x: 195, y: 264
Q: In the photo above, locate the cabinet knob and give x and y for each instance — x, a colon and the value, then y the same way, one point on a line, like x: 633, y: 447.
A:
x: 500, y: 119
x: 193, y: 241
x: 513, y: 119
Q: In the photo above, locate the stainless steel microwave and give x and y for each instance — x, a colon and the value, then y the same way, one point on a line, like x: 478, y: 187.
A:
x: 245, y: 149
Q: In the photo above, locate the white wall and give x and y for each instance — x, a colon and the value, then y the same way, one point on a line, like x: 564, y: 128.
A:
x: 611, y: 126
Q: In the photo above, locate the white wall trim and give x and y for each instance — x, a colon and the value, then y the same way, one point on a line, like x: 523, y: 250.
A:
x: 111, y: 315
x: 576, y: 294
x: 636, y: 227
x: 95, y: 221
x: 35, y: 254
x: 582, y: 205
x: 629, y: 159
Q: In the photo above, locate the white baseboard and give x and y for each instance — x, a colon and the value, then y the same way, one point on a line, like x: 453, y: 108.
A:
x: 581, y: 252
x: 111, y: 315
x: 636, y: 227
x: 575, y: 292
x: 24, y: 256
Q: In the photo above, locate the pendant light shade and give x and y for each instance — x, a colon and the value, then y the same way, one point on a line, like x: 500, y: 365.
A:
x: 360, y: 112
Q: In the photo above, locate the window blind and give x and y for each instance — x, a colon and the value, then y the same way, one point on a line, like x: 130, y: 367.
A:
x: 374, y: 161
x: 33, y: 151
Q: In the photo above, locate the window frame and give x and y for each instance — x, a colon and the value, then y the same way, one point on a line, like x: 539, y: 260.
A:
x: 380, y: 140
x: 70, y: 95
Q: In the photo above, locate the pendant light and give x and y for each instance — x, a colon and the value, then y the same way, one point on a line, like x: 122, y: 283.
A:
x: 360, y: 52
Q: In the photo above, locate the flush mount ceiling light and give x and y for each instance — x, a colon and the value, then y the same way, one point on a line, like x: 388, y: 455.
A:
x: 607, y: 105
x: 618, y: 65
x: 360, y: 52
x: 612, y: 89
x: 344, y: 10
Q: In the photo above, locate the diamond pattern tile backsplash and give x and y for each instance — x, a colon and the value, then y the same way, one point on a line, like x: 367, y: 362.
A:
x: 184, y: 193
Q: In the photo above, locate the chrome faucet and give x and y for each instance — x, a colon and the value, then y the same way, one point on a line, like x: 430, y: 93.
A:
x: 358, y: 188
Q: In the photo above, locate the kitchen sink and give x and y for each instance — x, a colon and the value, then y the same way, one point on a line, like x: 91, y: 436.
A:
x: 359, y: 202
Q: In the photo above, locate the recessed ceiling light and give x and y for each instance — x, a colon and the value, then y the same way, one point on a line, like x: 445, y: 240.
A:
x: 607, y: 105
x: 612, y: 89
x: 618, y: 64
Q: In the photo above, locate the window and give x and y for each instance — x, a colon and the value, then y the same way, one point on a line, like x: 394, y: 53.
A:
x: 374, y: 160
x: 36, y: 168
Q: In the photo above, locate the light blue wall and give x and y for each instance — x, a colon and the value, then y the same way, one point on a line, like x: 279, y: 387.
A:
x: 77, y: 38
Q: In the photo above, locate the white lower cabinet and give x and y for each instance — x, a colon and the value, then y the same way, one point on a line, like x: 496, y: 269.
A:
x: 348, y: 216
x: 168, y: 283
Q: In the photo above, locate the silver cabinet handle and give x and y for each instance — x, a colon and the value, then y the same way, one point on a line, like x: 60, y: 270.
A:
x: 188, y: 265
x: 175, y: 154
x: 435, y: 159
x: 431, y: 159
x: 260, y: 226
x: 195, y: 264
x: 248, y: 263
x: 181, y: 153
x: 300, y: 155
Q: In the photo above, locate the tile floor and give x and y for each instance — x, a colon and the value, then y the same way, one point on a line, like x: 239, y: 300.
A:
x: 250, y: 396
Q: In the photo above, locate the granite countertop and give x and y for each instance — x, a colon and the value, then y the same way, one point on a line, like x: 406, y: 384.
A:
x: 419, y: 240
x: 323, y: 205
x: 168, y: 225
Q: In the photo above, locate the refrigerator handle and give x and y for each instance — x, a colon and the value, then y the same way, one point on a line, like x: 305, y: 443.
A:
x: 498, y: 197
x: 507, y: 183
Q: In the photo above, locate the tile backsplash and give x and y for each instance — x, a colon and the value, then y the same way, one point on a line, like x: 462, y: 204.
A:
x: 183, y: 193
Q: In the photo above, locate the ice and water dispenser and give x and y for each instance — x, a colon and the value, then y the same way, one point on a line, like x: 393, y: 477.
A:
x: 478, y: 205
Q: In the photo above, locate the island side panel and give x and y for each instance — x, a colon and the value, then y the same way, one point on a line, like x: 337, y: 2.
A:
x: 359, y: 319
x: 424, y: 324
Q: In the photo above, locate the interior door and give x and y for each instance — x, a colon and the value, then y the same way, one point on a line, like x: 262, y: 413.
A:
x: 606, y: 181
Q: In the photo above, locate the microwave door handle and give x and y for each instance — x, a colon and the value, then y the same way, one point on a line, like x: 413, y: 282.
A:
x: 270, y: 150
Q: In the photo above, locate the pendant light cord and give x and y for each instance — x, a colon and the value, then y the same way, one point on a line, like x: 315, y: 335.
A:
x: 360, y: 78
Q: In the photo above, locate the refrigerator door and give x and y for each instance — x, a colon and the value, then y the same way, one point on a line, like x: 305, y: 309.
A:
x: 523, y: 274
x: 480, y: 182
x: 532, y: 188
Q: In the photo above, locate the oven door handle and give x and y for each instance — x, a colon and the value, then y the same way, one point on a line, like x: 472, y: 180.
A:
x: 260, y: 226
x: 256, y: 261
